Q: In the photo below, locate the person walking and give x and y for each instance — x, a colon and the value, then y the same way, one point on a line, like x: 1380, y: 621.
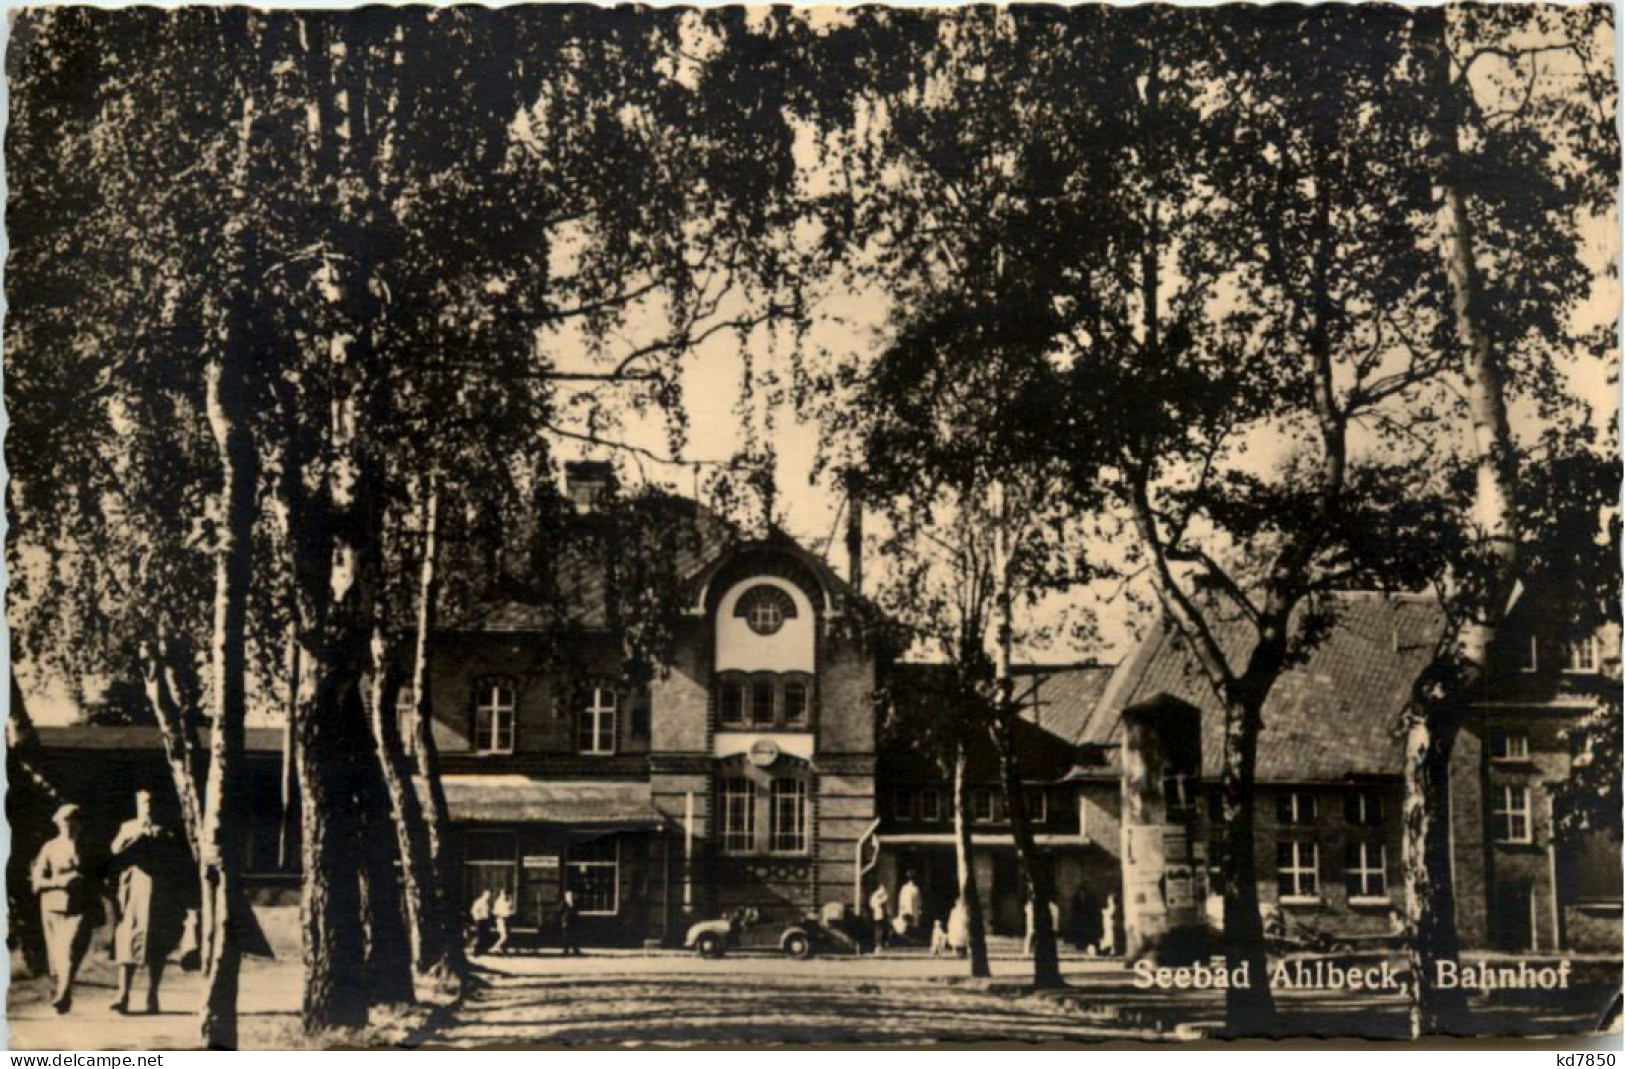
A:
x: 501, y: 912
x: 480, y: 914
x: 879, y: 912
x: 908, y: 903
x: 939, y: 938
x: 69, y: 902
x: 1108, y: 927
x: 149, y: 926
x: 568, y: 924
x: 959, y: 929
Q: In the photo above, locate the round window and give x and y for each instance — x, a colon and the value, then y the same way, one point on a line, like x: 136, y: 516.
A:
x: 765, y: 608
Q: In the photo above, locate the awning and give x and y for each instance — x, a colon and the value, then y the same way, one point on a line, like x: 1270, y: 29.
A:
x: 583, y: 805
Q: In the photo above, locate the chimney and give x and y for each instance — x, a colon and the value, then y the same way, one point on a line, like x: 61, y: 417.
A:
x: 854, y: 542
x: 587, y: 483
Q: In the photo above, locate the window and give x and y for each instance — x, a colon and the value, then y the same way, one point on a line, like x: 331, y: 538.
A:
x: 731, y: 702
x: 902, y: 803
x: 1037, y: 807
x: 641, y: 715
x: 1297, y: 870
x: 1509, y: 746
x: 493, y: 719
x: 930, y: 805
x: 593, y: 873
x: 1527, y: 654
x: 406, y: 720
x: 1510, y: 817
x: 765, y: 608
x: 761, y: 701
x: 595, y: 722
x: 1366, y: 871
x: 981, y: 805
x: 1295, y: 807
x: 795, y: 702
x: 738, y: 816
x: 1178, y: 794
x: 1582, y: 656
x: 1364, y: 808
x: 788, y: 816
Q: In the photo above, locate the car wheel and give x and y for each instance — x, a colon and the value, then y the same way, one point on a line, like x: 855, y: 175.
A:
x: 709, y: 945
x: 798, y: 945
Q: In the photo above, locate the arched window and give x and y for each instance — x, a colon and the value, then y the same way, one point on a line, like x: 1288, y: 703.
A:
x: 765, y: 608
x: 493, y: 716
x: 595, y: 722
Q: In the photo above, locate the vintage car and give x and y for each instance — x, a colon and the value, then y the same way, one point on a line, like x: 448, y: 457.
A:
x: 743, y: 930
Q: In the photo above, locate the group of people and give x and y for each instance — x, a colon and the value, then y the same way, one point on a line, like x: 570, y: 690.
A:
x: 70, y: 882
x: 490, y: 913
x: 953, y: 936
x: 908, y: 921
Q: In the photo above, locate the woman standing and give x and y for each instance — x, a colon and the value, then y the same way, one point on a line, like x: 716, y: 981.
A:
x: 149, y: 922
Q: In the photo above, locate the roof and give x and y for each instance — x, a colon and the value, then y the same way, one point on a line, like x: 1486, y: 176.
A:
x: 697, y: 542
x: 1057, y: 700
x: 583, y: 804
x: 140, y: 737
x: 1062, y: 699
x: 1333, y: 716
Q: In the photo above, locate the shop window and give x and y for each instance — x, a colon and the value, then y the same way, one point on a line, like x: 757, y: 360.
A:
x: 1364, y: 808
x: 738, y: 816
x: 1509, y: 746
x: 1510, y: 815
x: 494, y: 718
x: 731, y: 701
x: 1295, y: 807
x: 593, y: 873
x: 406, y: 720
x: 488, y: 864
x: 788, y: 816
x: 595, y: 722
x: 1365, y: 870
x: 1297, y: 870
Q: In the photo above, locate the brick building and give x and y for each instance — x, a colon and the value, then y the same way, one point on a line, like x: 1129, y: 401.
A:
x: 740, y: 775
x: 1145, y: 740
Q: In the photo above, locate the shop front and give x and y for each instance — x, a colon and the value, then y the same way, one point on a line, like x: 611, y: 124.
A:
x: 603, y: 842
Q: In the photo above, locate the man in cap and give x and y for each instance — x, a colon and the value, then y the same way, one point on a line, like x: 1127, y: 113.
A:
x: 69, y: 904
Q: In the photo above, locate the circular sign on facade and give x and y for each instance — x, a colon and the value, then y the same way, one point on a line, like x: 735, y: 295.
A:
x: 763, y: 752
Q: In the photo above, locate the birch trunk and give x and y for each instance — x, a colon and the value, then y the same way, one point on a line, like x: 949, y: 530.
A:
x: 406, y: 810
x: 970, y: 898
x: 1434, y: 719
x: 428, y: 756
x: 229, y: 406
x: 1036, y: 875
